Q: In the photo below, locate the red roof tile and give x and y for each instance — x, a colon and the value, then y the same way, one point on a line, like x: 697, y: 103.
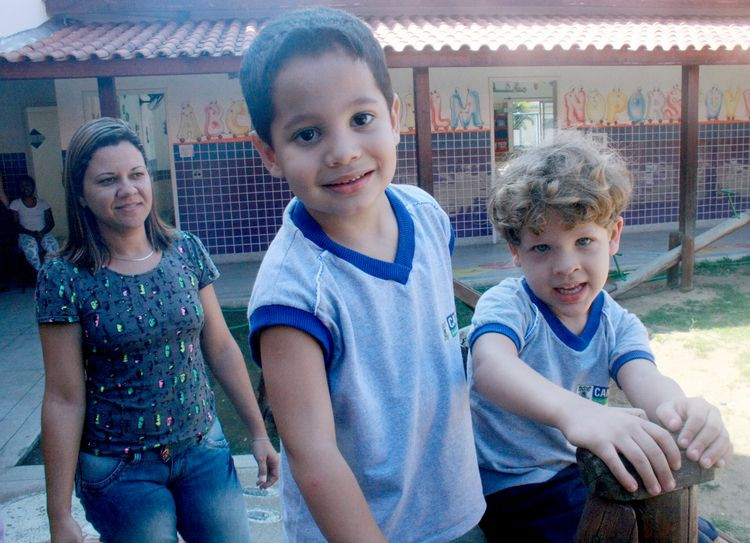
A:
x: 230, y: 37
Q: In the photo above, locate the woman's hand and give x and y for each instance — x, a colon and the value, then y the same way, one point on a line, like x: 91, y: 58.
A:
x: 268, y: 462
x: 65, y: 530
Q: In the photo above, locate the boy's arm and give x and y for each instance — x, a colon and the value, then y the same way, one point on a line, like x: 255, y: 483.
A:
x: 504, y: 379
x: 703, y: 433
x: 294, y: 372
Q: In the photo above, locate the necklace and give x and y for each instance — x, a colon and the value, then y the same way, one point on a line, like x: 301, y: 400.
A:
x: 141, y: 259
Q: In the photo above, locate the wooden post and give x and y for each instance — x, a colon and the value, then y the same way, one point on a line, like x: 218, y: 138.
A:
x: 673, y: 273
x: 614, y: 515
x: 672, y: 256
x: 466, y: 294
x: 423, y: 126
x: 688, y: 171
x: 108, y: 105
x: 669, y: 517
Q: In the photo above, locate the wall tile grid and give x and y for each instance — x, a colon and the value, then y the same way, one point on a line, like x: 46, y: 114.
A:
x: 652, y: 153
x: 12, y: 166
x: 462, y: 173
x: 226, y: 197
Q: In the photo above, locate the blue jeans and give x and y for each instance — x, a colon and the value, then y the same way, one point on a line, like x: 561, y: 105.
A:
x: 141, y: 497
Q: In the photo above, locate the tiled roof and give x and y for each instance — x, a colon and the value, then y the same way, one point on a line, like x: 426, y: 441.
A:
x: 229, y: 37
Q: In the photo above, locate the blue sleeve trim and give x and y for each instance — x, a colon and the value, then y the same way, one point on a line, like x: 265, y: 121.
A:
x: 627, y: 357
x: 495, y: 328
x: 452, y: 242
x: 282, y: 315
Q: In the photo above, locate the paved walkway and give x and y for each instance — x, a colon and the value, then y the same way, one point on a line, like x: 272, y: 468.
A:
x: 22, y: 376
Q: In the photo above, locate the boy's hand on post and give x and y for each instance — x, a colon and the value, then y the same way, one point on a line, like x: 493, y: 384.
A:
x: 701, y: 431
x: 608, y: 432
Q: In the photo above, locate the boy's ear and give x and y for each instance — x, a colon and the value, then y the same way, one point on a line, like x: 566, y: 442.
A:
x: 614, y: 236
x: 267, y: 155
x: 514, y: 251
x: 395, y: 113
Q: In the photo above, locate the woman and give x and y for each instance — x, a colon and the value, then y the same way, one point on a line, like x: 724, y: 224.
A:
x: 128, y: 318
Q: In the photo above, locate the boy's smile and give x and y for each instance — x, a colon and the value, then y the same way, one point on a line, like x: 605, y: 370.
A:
x: 567, y: 267
x: 333, y: 137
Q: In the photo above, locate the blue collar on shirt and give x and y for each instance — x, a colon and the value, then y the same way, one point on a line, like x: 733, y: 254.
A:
x: 397, y: 271
x: 577, y: 343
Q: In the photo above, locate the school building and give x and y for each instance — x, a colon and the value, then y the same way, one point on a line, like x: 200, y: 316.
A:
x: 667, y: 83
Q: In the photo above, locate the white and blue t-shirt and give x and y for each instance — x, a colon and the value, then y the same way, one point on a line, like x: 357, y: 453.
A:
x: 514, y: 450
x: 389, y: 338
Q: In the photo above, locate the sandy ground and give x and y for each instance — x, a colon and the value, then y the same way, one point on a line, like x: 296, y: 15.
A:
x: 710, y: 369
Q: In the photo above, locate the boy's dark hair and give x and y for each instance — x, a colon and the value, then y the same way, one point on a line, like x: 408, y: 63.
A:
x: 305, y: 33
x: 582, y: 180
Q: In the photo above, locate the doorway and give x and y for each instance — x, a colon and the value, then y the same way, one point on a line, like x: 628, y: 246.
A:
x: 524, y: 114
x: 45, y: 162
x: 145, y: 111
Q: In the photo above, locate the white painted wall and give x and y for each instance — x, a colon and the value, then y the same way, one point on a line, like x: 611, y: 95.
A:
x: 732, y: 83
x: 19, y: 15
x: 195, y: 93
x: 16, y: 96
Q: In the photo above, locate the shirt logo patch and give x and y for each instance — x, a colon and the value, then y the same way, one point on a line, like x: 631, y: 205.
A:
x: 450, y: 326
x: 595, y: 393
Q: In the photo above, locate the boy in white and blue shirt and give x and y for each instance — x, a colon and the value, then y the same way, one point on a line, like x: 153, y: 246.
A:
x: 544, y: 347
x: 352, y: 313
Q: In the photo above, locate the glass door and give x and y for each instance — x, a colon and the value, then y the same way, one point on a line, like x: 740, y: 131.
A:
x: 532, y: 122
x: 523, y: 114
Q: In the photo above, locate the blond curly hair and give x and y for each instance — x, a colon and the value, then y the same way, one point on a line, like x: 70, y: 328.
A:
x: 582, y: 180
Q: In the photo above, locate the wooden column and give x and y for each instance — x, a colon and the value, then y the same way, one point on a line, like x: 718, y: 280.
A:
x: 423, y: 128
x: 673, y: 273
x: 614, y: 515
x: 108, y: 97
x: 688, y: 172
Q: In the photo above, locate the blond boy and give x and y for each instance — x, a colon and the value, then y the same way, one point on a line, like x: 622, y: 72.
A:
x: 544, y: 347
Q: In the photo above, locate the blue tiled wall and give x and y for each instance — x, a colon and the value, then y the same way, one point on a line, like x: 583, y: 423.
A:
x: 12, y: 166
x: 461, y: 172
x: 226, y: 197
x: 652, y: 153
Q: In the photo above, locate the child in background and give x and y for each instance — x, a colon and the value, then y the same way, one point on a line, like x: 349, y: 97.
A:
x: 544, y: 347
x: 33, y: 217
x: 352, y: 314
